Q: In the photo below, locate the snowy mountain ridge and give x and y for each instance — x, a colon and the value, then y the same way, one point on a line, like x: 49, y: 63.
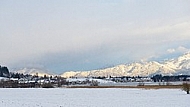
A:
x: 177, y: 66
x: 180, y: 65
x: 33, y: 71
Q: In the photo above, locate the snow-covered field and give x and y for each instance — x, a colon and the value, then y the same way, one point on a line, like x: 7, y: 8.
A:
x: 64, y: 97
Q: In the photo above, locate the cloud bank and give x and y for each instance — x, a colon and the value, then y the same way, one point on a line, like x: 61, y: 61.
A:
x: 84, y: 35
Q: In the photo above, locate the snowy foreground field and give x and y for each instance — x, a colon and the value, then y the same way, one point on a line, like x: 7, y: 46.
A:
x: 64, y: 97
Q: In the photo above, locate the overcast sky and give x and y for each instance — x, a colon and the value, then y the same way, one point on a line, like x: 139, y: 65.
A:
x: 64, y: 35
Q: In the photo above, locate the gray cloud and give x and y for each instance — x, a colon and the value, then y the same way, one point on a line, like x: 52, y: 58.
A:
x: 87, y: 35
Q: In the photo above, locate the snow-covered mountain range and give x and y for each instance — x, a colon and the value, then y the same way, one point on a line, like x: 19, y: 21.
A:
x: 177, y: 66
x: 180, y: 65
x: 33, y: 71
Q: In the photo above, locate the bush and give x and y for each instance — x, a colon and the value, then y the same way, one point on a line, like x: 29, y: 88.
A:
x: 94, y: 83
x: 47, y: 85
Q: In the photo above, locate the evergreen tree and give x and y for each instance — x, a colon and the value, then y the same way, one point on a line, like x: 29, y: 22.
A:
x: 4, y: 72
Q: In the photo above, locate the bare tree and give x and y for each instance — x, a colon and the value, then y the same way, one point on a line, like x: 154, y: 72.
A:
x: 186, y: 87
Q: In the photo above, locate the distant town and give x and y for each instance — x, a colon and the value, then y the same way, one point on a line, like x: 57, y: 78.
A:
x: 18, y: 80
